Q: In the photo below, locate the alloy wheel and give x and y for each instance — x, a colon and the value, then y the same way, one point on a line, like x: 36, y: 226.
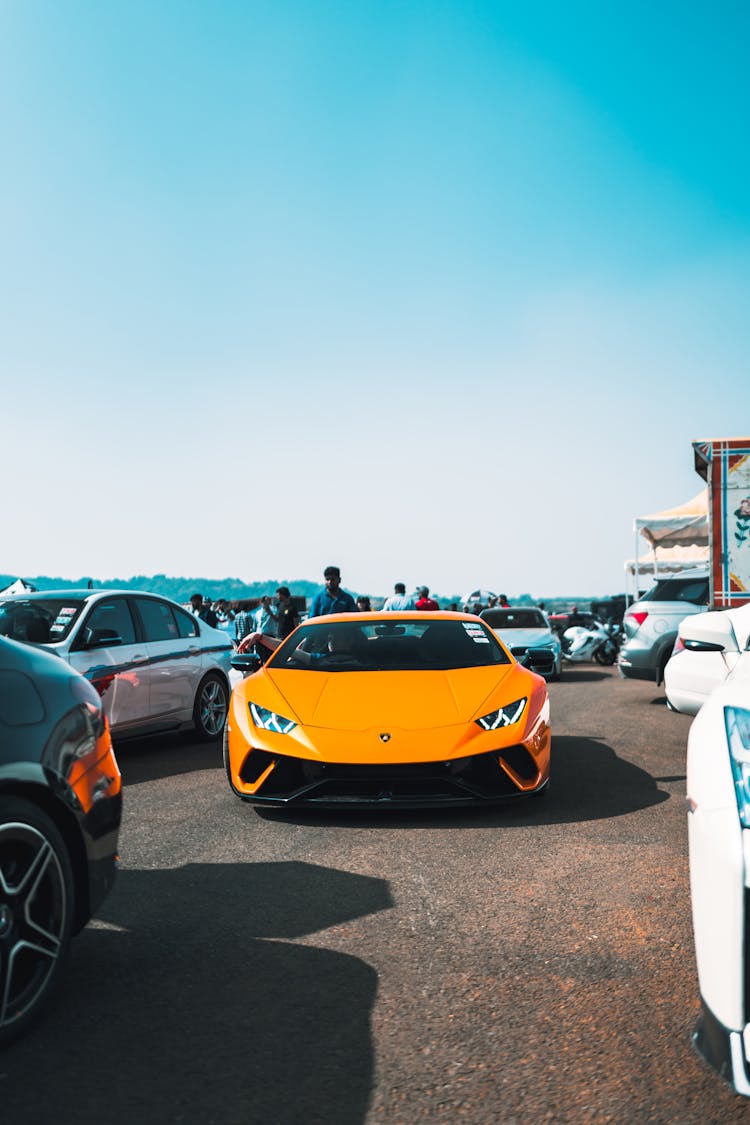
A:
x: 213, y: 708
x: 34, y: 919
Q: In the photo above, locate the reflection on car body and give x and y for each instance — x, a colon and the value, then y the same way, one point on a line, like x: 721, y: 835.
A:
x: 60, y: 808
x: 718, y: 799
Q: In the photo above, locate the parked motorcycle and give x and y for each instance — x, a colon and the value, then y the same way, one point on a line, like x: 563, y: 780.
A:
x: 599, y: 643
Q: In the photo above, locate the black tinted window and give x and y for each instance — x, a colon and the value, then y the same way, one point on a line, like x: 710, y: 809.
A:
x: 514, y: 618
x: 158, y: 619
x: 112, y: 616
x: 186, y: 623
x: 39, y: 620
x: 379, y: 646
x: 693, y: 590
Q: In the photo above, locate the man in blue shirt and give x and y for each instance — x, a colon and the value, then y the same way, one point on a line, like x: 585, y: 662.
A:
x: 332, y: 599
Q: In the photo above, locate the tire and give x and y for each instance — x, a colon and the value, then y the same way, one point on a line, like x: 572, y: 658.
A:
x: 606, y: 656
x: 37, y: 906
x: 211, y: 705
x: 225, y: 754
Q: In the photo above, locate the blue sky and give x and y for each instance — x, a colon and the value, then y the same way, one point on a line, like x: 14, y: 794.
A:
x: 439, y: 292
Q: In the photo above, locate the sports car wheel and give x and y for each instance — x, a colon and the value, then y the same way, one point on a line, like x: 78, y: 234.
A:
x: 225, y: 754
x: 36, y: 912
x: 211, y: 704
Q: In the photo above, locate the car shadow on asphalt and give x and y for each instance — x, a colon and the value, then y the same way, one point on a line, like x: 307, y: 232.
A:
x: 580, y: 675
x: 165, y: 755
x: 188, y: 1000
x: 588, y: 782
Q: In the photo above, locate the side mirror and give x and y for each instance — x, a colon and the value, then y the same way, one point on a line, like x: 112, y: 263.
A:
x: 101, y: 638
x: 708, y: 632
x: 245, y: 662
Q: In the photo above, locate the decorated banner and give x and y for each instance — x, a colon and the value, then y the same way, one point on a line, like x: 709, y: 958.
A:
x: 725, y: 466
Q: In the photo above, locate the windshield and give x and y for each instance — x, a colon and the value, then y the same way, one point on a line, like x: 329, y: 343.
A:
x: 399, y: 646
x: 515, y: 619
x: 693, y: 590
x: 38, y: 620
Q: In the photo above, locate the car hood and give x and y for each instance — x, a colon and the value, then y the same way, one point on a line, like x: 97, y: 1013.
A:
x: 514, y: 638
x: 408, y: 700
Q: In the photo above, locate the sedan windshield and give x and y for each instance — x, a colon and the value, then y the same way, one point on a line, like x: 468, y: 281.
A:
x: 515, y: 619
x: 393, y: 646
x: 38, y: 620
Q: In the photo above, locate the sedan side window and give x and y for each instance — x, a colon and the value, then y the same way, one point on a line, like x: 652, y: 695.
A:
x: 186, y: 623
x: 158, y: 620
x: 111, y: 619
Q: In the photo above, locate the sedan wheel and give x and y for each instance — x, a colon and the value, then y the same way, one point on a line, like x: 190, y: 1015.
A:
x: 36, y: 909
x: 211, y: 705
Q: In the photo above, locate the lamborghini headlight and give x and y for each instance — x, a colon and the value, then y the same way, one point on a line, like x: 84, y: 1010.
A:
x: 737, y: 720
x: 504, y: 716
x: 269, y: 720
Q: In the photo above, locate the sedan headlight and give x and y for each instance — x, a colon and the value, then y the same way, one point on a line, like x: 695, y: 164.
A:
x: 503, y: 717
x: 269, y: 720
x: 737, y: 721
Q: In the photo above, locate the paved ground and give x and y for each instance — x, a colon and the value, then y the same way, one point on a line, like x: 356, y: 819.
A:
x: 525, y: 964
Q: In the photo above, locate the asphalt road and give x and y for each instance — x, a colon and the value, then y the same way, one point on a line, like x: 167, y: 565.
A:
x: 522, y: 964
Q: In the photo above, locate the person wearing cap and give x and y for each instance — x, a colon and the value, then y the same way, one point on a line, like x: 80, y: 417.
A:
x: 332, y: 599
x: 399, y: 601
x: 425, y: 602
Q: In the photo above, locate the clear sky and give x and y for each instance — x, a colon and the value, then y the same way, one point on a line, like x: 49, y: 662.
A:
x: 441, y: 292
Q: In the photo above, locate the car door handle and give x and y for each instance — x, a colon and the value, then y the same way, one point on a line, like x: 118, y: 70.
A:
x: 194, y: 650
x: 139, y: 658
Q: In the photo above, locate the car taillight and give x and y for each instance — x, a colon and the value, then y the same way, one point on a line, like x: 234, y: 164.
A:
x: 639, y: 617
x: 679, y: 645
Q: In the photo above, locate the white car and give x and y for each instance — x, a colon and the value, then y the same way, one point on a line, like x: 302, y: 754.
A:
x: 526, y: 631
x: 718, y: 797
x: 708, y: 647
x: 154, y: 665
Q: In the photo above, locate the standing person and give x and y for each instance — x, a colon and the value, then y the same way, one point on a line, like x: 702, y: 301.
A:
x: 203, y: 610
x: 502, y: 602
x: 399, y: 600
x: 363, y: 604
x: 332, y: 599
x: 287, y: 616
x: 266, y: 620
x: 425, y: 602
x: 244, y: 619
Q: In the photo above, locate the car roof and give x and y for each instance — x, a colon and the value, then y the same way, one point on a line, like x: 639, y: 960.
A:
x: 39, y: 595
x: 403, y: 615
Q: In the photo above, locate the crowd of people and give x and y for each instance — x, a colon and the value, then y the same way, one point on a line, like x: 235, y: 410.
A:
x: 265, y: 622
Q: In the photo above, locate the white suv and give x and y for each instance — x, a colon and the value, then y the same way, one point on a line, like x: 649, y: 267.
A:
x: 650, y: 625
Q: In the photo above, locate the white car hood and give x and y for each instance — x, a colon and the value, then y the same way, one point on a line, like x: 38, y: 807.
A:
x: 526, y: 638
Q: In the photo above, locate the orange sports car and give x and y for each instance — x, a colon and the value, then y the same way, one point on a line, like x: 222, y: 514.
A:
x: 388, y: 709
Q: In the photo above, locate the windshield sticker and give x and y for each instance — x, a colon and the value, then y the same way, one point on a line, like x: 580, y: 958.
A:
x: 476, y: 632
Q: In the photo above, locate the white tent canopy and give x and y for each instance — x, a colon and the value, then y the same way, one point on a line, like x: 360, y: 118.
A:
x: 668, y: 560
x: 686, y: 525
x: 678, y: 538
x: 17, y: 587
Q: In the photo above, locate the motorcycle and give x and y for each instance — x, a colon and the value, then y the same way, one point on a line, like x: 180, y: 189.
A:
x: 600, y: 643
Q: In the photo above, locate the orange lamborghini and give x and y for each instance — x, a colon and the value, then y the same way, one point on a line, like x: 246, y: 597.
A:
x: 388, y: 709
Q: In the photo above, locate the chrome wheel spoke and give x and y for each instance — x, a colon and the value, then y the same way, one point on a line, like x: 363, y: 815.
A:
x: 35, y: 872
